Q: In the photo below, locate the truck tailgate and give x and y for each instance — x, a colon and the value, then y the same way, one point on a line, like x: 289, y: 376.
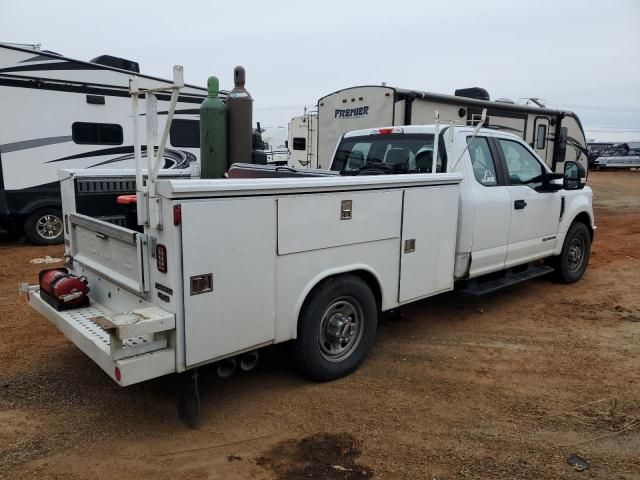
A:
x: 129, y: 355
x: 117, y: 253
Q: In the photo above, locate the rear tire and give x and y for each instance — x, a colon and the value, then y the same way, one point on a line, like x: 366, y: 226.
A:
x: 575, y: 254
x: 336, y: 328
x: 45, y: 226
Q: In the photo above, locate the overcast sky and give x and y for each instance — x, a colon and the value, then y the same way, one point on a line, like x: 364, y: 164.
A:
x: 572, y: 53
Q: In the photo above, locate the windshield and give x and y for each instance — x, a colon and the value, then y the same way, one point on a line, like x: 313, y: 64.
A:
x: 392, y: 153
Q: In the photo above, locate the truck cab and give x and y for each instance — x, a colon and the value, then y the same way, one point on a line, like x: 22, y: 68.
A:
x: 513, y: 209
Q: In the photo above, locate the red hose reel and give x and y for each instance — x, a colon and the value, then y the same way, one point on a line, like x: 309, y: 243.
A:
x: 62, y: 290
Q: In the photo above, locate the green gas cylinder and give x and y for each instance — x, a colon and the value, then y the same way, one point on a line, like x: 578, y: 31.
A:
x: 213, y: 133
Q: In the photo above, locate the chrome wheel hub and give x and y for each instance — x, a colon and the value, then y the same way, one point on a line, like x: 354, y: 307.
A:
x: 49, y: 226
x: 340, y: 329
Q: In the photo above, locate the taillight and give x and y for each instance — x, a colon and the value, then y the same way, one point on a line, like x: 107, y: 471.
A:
x: 117, y: 374
x: 387, y: 131
x: 177, y: 214
x: 161, y: 258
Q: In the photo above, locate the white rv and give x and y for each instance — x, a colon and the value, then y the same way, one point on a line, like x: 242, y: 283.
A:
x: 619, y: 155
x: 56, y: 113
x: 275, y: 145
x: 376, y: 106
x: 303, y: 132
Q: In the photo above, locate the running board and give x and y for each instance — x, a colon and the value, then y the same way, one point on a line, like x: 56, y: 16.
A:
x: 476, y: 288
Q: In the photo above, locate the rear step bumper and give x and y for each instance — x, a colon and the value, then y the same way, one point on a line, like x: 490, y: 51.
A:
x: 127, y: 355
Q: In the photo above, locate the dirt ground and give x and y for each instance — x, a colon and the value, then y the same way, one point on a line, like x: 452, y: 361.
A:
x: 505, y: 386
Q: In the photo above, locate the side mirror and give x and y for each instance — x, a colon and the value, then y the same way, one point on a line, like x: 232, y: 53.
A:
x: 286, y: 144
x: 550, y: 184
x: 575, y: 176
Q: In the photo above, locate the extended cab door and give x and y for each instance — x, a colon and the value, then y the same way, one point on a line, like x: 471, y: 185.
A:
x: 491, y: 207
x: 535, y: 214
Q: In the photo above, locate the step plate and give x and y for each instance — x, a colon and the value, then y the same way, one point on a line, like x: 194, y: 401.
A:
x: 477, y: 289
x: 136, y: 362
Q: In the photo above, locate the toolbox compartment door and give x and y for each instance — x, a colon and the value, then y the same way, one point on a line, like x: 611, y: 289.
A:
x: 114, y: 252
x: 428, y: 248
x: 228, y: 249
x: 313, y: 222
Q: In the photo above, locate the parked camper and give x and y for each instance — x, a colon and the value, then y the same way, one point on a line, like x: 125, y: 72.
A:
x: 56, y: 113
x: 303, y: 135
x: 314, y: 259
x: 618, y: 155
x: 275, y: 141
x: 375, y: 106
x: 595, y: 149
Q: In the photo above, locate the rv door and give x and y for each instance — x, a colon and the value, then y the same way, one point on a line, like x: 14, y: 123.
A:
x: 542, y: 144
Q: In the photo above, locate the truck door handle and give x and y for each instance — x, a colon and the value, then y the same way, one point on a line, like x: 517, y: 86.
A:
x: 519, y: 204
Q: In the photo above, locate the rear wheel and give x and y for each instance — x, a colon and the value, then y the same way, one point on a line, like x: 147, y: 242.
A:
x: 336, y: 329
x: 44, y: 226
x: 575, y: 254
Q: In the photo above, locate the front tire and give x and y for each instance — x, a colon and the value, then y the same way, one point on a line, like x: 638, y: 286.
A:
x: 575, y: 254
x: 45, y: 226
x: 336, y: 329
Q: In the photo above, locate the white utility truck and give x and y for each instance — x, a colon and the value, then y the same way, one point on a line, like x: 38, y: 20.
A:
x: 225, y: 267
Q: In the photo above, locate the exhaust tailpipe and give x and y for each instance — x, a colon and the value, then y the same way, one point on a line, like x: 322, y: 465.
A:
x: 226, y: 367
x: 248, y: 361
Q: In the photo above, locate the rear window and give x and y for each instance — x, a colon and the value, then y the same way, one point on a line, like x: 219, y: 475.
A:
x: 396, y: 153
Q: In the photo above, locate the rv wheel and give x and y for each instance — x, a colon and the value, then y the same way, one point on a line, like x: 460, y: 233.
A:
x: 44, y: 226
x: 336, y: 329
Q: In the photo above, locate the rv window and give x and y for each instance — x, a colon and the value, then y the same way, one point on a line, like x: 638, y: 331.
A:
x: 299, y: 143
x: 185, y: 133
x: 541, y: 137
x: 85, y: 133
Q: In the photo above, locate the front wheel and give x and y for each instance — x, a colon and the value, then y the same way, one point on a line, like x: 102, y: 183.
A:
x: 575, y: 254
x: 336, y: 329
x: 44, y: 226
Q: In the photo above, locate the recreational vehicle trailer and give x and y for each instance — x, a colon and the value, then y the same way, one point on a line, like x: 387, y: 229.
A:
x: 376, y: 106
x: 619, y: 155
x: 302, y: 141
x: 59, y: 113
x: 595, y: 149
x: 275, y: 145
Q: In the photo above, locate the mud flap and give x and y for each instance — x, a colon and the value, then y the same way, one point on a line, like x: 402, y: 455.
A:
x: 188, y: 398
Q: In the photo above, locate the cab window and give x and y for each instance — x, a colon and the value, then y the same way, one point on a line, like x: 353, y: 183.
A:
x: 484, y: 167
x: 523, y: 168
x: 395, y: 153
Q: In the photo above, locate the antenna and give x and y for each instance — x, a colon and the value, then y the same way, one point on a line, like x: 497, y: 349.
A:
x: 540, y: 102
